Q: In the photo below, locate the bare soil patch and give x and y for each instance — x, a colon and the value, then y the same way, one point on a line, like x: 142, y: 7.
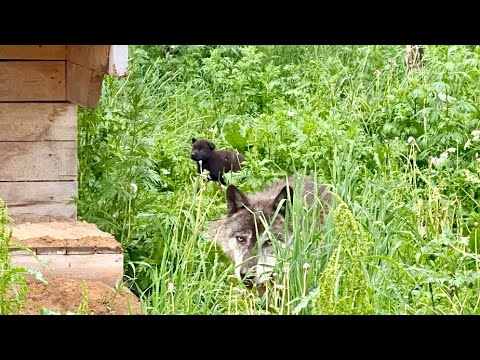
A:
x: 66, y: 295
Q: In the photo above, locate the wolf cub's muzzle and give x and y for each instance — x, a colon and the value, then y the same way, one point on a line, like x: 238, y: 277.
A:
x: 194, y: 156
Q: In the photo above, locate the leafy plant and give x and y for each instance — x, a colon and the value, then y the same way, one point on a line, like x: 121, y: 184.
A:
x: 400, y: 149
x: 12, y: 281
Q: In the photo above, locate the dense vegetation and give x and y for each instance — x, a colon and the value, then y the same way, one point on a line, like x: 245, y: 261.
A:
x: 400, y: 148
x: 13, y: 283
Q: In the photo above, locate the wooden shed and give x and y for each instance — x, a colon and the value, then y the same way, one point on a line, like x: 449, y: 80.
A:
x: 41, y: 87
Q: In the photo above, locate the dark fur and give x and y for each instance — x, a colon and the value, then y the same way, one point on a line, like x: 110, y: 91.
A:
x: 217, y: 162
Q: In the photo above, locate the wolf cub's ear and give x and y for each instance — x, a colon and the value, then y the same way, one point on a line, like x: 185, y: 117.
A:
x: 211, y: 145
x: 235, y: 199
x: 283, y: 194
x: 194, y: 140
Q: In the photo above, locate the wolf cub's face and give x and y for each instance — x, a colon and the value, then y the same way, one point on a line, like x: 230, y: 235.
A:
x: 201, y: 149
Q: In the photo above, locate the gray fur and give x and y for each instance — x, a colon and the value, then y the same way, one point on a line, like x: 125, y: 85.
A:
x: 236, y: 233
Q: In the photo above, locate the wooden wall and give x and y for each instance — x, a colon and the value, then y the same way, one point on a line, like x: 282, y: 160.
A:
x: 38, y: 132
x: 40, y: 88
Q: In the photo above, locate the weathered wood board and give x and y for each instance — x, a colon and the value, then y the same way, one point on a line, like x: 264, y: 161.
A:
x: 84, y: 85
x: 94, y: 57
x: 38, y: 121
x: 69, y: 248
x: 39, y: 199
x: 33, y: 52
x: 38, y: 161
x: 107, y: 268
x: 32, y: 81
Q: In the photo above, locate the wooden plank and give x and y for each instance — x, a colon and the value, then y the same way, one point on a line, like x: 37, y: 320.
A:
x: 107, y: 268
x: 39, y: 161
x: 84, y: 86
x: 118, y: 60
x: 38, y: 121
x: 94, y: 57
x: 80, y: 250
x: 34, y: 211
x: 19, y: 252
x: 32, y: 81
x: 51, y: 251
x: 33, y: 52
x: 39, y: 199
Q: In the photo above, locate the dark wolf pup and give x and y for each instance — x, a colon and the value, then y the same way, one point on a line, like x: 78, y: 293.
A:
x: 217, y: 162
x: 237, y: 233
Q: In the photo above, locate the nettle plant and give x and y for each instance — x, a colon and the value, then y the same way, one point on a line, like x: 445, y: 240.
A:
x: 451, y: 179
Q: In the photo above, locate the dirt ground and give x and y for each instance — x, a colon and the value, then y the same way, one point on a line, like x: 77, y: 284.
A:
x: 65, y: 295
x: 66, y: 232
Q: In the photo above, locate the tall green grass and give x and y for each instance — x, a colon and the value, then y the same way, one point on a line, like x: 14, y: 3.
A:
x: 403, y: 237
x: 12, y: 281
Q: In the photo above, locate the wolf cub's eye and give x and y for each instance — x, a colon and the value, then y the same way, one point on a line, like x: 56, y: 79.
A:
x: 240, y: 239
